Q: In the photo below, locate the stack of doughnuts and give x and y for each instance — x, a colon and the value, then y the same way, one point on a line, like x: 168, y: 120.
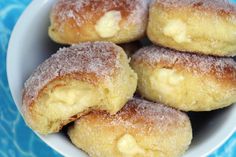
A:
x: 91, y: 82
x: 192, y: 71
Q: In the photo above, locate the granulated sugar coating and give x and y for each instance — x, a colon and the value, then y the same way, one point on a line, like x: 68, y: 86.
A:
x: 153, y: 115
x: 84, y: 11
x: 222, y: 67
x: 153, y: 128
x: 99, y: 59
x: 138, y: 112
x: 216, y: 5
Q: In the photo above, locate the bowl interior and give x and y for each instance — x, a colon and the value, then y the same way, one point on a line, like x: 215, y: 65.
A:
x: 30, y: 45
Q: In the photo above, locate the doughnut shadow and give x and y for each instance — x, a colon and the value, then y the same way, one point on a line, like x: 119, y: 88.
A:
x: 205, y: 124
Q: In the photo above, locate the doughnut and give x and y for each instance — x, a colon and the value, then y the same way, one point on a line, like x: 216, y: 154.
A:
x: 200, y: 26
x: 186, y: 81
x: 140, y: 129
x: 131, y: 48
x: 118, y: 21
x: 75, y: 80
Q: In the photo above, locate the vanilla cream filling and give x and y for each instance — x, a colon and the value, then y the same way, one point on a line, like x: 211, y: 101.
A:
x: 165, y: 80
x: 74, y: 99
x: 108, y: 25
x: 128, y: 146
x: 176, y: 29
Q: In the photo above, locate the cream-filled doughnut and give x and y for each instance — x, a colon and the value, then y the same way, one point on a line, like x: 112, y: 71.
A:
x: 200, y: 26
x: 186, y: 81
x: 140, y: 129
x: 74, y: 81
x: 119, y: 21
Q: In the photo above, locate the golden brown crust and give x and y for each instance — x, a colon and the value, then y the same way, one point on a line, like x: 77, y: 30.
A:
x: 152, y: 128
x: 88, y: 62
x: 74, y: 21
x: 75, y: 80
x: 220, y: 7
x: 222, y: 69
x: 79, y: 9
x: 201, y: 26
x: 140, y: 116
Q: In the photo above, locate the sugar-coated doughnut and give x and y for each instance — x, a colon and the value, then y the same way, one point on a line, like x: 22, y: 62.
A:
x: 75, y: 80
x: 186, y: 81
x: 201, y: 26
x: 119, y: 21
x: 139, y: 129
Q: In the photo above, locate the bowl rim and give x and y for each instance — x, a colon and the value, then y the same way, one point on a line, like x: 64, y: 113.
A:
x: 36, y: 6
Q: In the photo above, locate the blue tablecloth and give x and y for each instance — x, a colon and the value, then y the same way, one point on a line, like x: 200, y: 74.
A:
x: 16, y: 139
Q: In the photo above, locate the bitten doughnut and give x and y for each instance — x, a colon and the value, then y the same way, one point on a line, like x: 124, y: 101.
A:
x: 140, y: 129
x: 74, y: 81
x: 201, y: 26
x: 186, y: 81
x: 119, y: 21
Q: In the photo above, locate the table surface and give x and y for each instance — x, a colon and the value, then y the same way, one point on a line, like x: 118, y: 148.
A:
x: 16, y: 139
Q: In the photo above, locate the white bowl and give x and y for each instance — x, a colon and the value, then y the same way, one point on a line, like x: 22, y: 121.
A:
x: 30, y: 45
